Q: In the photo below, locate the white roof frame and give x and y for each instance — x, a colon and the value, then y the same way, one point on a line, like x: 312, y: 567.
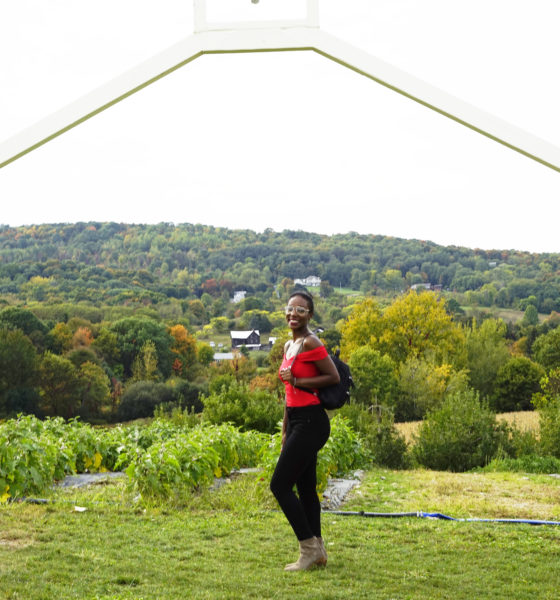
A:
x: 303, y: 35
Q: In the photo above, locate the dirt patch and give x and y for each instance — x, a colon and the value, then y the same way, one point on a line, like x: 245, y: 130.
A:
x: 13, y: 541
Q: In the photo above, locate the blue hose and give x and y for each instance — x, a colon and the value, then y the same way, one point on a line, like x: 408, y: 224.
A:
x: 425, y: 515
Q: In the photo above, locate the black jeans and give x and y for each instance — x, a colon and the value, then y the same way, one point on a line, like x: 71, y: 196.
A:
x: 308, y: 431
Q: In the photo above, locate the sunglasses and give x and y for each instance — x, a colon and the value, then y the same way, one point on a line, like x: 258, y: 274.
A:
x: 299, y: 310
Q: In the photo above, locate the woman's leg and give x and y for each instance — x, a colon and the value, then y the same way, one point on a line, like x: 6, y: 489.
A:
x: 292, y: 463
x: 308, y: 431
x: 307, y: 491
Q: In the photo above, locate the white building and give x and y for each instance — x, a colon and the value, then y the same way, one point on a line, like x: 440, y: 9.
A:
x: 311, y: 281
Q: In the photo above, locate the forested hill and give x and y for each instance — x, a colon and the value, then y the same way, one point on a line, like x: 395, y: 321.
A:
x: 112, y: 262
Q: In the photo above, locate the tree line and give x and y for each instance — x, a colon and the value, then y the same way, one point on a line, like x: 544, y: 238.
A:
x: 407, y: 354
x: 166, y: 265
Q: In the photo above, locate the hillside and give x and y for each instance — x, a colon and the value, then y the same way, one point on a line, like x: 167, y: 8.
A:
x: 112, y: 264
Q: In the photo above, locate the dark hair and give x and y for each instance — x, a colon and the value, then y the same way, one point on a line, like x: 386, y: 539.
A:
x: 306, y: 296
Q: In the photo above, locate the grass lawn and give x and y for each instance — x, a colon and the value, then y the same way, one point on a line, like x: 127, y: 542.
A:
x: 231, y: 543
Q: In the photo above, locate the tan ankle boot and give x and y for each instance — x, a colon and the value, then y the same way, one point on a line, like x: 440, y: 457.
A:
x: 323, y: 550
x: 310, y: 554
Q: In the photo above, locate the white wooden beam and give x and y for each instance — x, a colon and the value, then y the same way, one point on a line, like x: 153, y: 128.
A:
x: 269, y: 40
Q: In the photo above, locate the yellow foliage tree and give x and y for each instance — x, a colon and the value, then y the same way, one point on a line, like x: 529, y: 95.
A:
x: 184, y: 346
x: 362, y: 328
x: 418, y: 325
x: 414, y: 325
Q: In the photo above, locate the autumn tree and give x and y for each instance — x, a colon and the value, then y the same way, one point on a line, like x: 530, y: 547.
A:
x: 60, y: 338
x: 82, y: 337
x: 423, y: 386
x: 362, y: 328
x: 145, y: 365
x: 183, y: 347
x: 417, y: 325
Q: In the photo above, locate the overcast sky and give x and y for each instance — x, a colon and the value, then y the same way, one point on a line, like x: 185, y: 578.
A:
x: 288, y: 140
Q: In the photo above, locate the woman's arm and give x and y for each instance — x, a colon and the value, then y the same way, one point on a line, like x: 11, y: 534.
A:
x: 284, y: 426
x: 328, y: 375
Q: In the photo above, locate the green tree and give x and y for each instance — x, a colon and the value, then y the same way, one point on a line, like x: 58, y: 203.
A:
x: 133, y: 332
x: 531, y: 316
x: 18, y: 372
x: 60, y: 338
x: 374, y: 377
x: 95, y: 390
x: 487, y: 352
x: 548, y: 405
x: 27, y: 322
x: 423, y: 385
x: 60, y: 386
x: 145, y: 365
x: 516, y: 383
x: 107, y: 345
x: 205, y: 354
x: 546, y: 349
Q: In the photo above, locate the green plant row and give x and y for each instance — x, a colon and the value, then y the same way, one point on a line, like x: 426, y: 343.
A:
x: 161, y: 459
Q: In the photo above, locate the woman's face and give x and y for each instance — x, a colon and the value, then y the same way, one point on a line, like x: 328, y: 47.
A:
x: 298, y: 314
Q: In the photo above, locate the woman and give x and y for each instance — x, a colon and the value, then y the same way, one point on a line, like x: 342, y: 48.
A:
x: 305, y: 430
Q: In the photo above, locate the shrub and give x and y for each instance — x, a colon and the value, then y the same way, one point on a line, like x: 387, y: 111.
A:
x: 530, y: 463
x: 141, y: 398
x: 460, y: 435
x: 385, y: 445
x: 548, y: 405
x: 246, y: 409
x: 188, y: 395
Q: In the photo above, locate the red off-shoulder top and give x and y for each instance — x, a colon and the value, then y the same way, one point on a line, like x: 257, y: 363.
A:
x: 303, y: 366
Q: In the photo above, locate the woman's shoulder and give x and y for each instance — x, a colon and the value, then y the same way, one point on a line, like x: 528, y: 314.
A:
x: 311, y: 342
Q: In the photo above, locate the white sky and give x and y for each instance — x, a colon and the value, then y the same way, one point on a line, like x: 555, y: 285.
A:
x: 288, y: 140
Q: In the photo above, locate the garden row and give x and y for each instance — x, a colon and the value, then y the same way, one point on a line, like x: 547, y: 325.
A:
x: 161, y: 459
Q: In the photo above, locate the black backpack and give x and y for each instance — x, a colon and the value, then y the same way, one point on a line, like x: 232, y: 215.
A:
x: 337, y: 395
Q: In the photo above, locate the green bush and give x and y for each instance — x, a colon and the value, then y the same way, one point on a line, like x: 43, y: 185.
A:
x: 515, y: 384
x: 530, y: 463
x: 141, y: 398
x: 460, y: 435
x: 237, y: 404
x: 385, y: 445
x: 548, y: 405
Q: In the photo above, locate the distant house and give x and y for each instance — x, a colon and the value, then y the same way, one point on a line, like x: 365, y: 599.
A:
x: 239, y: 296
x: 249, y: 339
x: 218, y: 356
x: 311, y: 281
x: 427, y: 286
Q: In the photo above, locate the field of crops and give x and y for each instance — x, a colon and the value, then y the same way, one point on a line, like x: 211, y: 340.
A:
x: 161, y: 459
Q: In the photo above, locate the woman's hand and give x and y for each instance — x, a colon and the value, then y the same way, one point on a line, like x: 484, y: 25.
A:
x: 286, y: 375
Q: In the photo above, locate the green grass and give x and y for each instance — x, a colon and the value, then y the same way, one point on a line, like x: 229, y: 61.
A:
x: 231, y: 543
